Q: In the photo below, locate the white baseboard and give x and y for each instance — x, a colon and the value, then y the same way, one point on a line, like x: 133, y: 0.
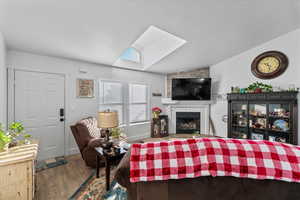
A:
x: 73, y: 151
x: 138, y: 137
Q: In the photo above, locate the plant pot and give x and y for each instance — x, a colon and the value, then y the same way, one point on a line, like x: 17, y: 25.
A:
x: 26, y: 141
x: 155, y: 115
x: 258, y: 90
x: 13, y: 143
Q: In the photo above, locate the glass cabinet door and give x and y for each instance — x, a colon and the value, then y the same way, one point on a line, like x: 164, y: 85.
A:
x: 257, y: 121
x: 279, y: 122
x: 239, y: 120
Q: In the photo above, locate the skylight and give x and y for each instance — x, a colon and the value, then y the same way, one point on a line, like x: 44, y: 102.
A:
x: 152, y: 46
x: 131, y: 54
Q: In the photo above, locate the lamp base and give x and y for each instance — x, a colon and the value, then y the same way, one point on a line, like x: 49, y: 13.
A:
x: 107, y: 134
x: 107, y: 145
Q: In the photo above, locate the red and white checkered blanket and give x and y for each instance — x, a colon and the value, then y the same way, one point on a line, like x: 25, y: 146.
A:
x: 214, y: 157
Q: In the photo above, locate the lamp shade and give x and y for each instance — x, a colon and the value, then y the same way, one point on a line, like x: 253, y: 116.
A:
x: 108, y: 120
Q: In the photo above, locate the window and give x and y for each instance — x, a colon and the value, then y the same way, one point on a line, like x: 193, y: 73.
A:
x: 131, y: 101
x: 138, y: 103
x: 111, y: 97
x: 131, y: 54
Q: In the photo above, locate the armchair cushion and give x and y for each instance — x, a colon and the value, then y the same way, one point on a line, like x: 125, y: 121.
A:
x: 95, y: 142
x: 92, y: 126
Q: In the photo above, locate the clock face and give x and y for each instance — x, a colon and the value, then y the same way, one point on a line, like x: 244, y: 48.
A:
x: 268, y: 65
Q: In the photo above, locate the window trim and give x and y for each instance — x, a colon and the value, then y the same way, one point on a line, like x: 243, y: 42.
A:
x: 147, y: 103
x: 126, y: 101
x: 101, y: 101
x: 113, y: 81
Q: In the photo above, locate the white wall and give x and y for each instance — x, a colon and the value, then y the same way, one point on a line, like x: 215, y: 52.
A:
x: 77, y: 108
x: 3, y: 94
x: 236, y: 71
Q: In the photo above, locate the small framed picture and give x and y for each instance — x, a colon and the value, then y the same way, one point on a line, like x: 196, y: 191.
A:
x: 164, y: 130
x: 85, y: 88
x: 257, y: 136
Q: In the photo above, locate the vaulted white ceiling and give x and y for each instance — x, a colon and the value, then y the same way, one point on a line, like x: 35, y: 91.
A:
x: 100, y: 30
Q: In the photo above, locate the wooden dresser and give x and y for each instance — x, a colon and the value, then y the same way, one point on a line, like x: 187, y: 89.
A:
x: 17, y: 172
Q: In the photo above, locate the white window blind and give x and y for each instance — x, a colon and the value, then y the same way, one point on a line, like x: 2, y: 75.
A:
x: 131, y: 101
x: 112, y: 98
x: 138, y: 103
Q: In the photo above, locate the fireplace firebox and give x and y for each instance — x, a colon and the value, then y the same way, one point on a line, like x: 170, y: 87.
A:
x: 188, y: 122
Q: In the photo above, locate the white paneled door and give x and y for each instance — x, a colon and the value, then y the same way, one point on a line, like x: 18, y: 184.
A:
x: 39, y: 105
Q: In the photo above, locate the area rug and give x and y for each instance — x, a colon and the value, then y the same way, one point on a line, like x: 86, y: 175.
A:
x: 94, y: 189
x: 50, y: 163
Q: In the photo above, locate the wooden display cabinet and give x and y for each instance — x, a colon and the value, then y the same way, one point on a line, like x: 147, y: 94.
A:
x: 270, y: 116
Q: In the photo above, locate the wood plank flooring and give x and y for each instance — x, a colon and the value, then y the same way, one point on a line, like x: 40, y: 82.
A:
x: 61, y: 182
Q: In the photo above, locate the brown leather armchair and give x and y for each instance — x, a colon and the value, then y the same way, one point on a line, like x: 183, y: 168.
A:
x: 86, y: 144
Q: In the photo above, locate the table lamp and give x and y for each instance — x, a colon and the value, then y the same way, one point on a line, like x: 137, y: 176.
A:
x: 108, y: 119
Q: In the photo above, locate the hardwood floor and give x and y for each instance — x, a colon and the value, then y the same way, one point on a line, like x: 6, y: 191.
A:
x: 61, y: 182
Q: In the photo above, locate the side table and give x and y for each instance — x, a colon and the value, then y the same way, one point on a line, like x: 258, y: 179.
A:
x: 110, y: 157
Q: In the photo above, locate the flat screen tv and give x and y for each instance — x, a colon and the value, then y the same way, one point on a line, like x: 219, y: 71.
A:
x: 191, y: 89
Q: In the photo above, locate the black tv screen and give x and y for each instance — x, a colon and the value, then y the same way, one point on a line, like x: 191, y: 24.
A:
x: 191, y: 89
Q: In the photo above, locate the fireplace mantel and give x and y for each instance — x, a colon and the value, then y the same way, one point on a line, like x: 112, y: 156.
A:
x: 169, y: 101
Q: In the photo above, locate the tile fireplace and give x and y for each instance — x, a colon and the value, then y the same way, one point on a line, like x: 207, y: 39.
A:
x: 188, y: 119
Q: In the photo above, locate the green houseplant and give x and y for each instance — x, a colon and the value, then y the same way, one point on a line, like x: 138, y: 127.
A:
x: 14, y: 136
x: 259, y: 87
x: 5, y: 138
x: 18, y: 135
x: 117, y: 133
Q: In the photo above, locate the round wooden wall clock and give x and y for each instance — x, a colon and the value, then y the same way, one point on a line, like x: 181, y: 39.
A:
x: 270, y: 64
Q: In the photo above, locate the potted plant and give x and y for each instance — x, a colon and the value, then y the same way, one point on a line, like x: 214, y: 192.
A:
x: 155, y: 112
x: 15, y: 135
x: 18, y: 135
x: 258, y: 87
x: 5, y: 139
x: 118, y: 136
x: 117, y: 133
